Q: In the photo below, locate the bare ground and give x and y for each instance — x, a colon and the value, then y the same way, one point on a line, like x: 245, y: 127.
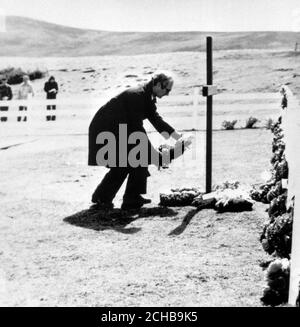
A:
x: 236, y: 71
x: 56, y: 252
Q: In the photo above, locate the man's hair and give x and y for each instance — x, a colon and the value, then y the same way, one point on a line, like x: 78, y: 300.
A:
x: 162, y: 77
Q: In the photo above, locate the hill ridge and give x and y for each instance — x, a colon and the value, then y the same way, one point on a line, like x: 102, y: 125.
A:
x: 29, y: 37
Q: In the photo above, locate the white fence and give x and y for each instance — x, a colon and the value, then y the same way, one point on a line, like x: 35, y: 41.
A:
x: 291, y: 130
x: 188, y: 112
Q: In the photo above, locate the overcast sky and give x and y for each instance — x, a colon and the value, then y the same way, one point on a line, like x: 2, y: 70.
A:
x: 163, y: 15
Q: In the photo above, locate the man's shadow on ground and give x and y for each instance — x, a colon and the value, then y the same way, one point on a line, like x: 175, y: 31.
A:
x: 116, y: 219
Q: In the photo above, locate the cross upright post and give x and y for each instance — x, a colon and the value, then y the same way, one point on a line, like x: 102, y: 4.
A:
x: 208, y: 91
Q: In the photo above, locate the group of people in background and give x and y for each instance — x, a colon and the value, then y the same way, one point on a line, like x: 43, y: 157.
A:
x: 26, y: 92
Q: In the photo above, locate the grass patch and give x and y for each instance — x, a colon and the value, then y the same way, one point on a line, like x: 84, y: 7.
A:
x: 250, y: 122
x: 229, y: 125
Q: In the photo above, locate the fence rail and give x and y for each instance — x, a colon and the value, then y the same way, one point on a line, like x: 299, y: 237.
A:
x: 73, y: 115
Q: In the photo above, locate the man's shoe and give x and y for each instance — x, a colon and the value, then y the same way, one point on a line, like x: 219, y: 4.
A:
x: 136, y: 198
x: 134, y: 202
x: 101, y: 205
x: 131, y: 205
x: 144, y: 200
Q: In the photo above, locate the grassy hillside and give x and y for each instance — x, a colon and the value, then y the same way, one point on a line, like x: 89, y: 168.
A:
x: 29, y: 37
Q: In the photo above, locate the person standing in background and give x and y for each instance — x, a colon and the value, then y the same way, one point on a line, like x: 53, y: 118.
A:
x: 25, y: 93
x: 5, y: 94
x: 51, y: 89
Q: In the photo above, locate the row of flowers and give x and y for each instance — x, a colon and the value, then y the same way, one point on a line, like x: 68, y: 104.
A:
x: 276, y: 237
x: 250, y: 122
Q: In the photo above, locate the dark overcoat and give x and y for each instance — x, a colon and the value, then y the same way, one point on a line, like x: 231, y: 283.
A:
x: 5, y: 91
x: 48, y: 86
x: 130, y: 107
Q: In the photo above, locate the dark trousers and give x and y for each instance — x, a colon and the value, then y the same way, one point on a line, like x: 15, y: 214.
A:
x: 113, y: 180
x: 3, y: 109
x: 51, y: 117
x: 19, y: 118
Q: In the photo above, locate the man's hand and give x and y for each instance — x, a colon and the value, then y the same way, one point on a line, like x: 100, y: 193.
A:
x: 181, y: 145
x: 170, y: 153
x: 185, y: 140
x: 176, y: 136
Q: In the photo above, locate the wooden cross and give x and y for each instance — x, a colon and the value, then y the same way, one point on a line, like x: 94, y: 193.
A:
x: 209, y: 91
